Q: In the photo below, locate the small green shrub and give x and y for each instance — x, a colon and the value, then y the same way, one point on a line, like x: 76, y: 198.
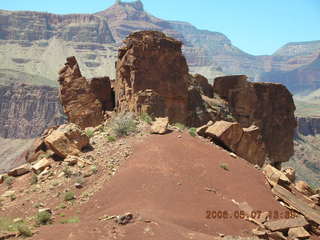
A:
x: 34, y: 179
x: 13, y: 197
x: 124, y: 124
x: 193, y: 132
x: 80, y: 180
x: 67, y: 172
x: 146, y: 118
x: 94, y: 169
x: 180, y: 126
x: 111, y: 138
x: 8, y: 180
x: 62, y: 206
x: 70, y: 220
x: 89, y: 132
x: 24, y: 230
x: 69, y: 196
x: 224, y: 166
x: 43, y: 218
x: 7, y: 225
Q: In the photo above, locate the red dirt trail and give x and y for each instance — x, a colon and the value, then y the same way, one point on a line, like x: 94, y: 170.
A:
x: 165, y: 185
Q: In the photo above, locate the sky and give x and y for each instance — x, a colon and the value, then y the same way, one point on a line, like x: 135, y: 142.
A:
x: 259, y: 27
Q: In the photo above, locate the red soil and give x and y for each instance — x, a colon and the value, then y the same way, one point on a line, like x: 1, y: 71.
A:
x: 164, y: 184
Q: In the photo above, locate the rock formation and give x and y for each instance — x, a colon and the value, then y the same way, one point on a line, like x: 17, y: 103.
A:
x: 152, y: 76
x: 83, y: 102
x: 206, y: 88
x: 267, y: 105
x: 26, y: 111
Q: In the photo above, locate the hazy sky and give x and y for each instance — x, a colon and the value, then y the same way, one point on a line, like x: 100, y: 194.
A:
x: 255, y: 26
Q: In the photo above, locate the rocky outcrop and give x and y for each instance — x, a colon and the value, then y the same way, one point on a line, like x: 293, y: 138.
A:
x: 25, y: 111
x: 83, y: 102
x: 308, y: 125
x: 206, y: 88
x: 152, y: 76
x: 269, y: 106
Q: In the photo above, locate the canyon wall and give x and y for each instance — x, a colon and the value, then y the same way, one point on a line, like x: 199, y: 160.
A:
x: 25, y: 111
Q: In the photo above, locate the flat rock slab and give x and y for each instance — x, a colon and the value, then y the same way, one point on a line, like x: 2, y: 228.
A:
x: 284, y: 224
x: 297, y: 203
x: 298, y: 232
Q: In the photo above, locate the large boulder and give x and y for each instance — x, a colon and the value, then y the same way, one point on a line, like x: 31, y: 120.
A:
x: 269, y: 106
x: 41, y: 165
x: 68, y: 139
x: 19, y: 171
x: 78, y: 98
x: 226, y: 133
x: 160, y: 125
x: 152, y: 76
x: 245, y: 142
x: 251, y: 146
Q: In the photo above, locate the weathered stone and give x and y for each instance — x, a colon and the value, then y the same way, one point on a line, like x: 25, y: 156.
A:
x: 246, y: 143
x: 251, y: 146
x: 267, y: 105
x: 1, y: 178
x: 276, y: 236
x: 315, y: 198
x: 71, y: 160
x: 8, y: 194
x: 160, y: 125
x: 67, y: 140
x: 202, y: 130
x: 19, y: 171
x: 41, y: 165
x: 38, y: 148
x: 259, y: 233
x: 79, y: 102
x: 304, y: 188
x: 152, y: 76
x: 285, y: 224
x: 275, y: 176
x: 298, y: 232
x: 226, y: 133
x: 290, y: 173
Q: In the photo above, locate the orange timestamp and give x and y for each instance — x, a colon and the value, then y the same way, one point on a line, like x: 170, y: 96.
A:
x: 256, y: 214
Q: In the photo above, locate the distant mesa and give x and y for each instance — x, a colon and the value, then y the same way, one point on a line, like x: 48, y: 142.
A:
x: 138, y: 5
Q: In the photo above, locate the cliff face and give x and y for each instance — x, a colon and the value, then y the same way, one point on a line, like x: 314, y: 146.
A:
x: 25, y: 111
x: 302, y: 79
x: 308, y: 126
x: 33, y: 26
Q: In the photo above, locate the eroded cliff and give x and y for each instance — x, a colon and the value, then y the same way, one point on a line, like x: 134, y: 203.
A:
x: 25, y: 111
